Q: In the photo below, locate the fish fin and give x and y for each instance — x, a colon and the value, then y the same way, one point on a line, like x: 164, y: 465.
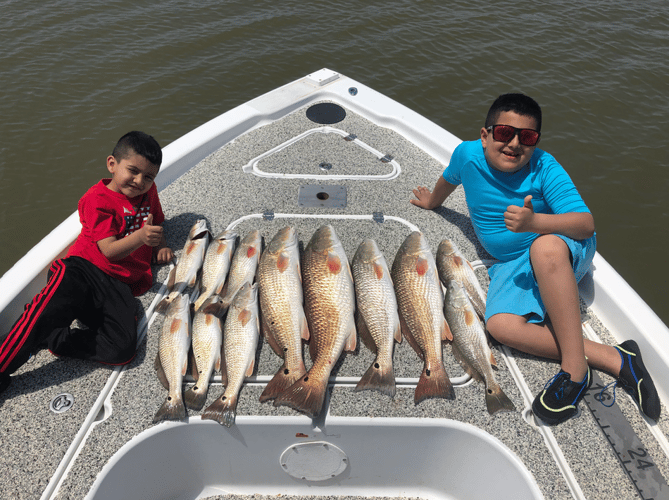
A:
x: 223, y: 410
x: 224, y: 367
x: 244, y: 316
x: 493, y: 361
x: 466, y: 365
x: 172, y: 409
x: 307, y: 396
x: 249, y: 370
x: 434, y: 383
x: 422, y: 266
x: 160, y: 372
x: 196, y: 396
x: 271, y: 340
x: 352, y: 336
x: 282, y: 262
x: 191, y: 282
x: 281, y: 381
x: 333, y: 263
x: 407, y: 335
x: 446, y: 333
x: 213, y: 306
x: 195, y: 373
x: 217, y: 363
x: 305, y: 334
x: 162, y: 306
x: 496, y: 400
x: 205, y: 299
x: 172, y: 277
x: 398, y: 330
x: 378, y: 378
x: 366, y: 337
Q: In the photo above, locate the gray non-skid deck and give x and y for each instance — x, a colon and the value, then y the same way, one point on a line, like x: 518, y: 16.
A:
x: 35, y: 439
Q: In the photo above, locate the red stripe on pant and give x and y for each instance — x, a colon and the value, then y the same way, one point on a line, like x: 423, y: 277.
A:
x: 23, y: 327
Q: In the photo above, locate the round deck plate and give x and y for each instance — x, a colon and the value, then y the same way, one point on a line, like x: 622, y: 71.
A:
x: 314, y: 461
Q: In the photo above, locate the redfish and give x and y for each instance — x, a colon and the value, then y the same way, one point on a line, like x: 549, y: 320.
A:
x: 240, y: 340
x: 284, y: 324
x: 421, y: 305
x: 184, y: 274
x: 378, y: 320
x: 470, y: 346
x: 329, y: 304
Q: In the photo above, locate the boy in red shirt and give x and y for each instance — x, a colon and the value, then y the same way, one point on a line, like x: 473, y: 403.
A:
x: 106, y: 267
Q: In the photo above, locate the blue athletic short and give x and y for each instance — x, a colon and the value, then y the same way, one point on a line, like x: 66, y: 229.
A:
x: 513, y: 288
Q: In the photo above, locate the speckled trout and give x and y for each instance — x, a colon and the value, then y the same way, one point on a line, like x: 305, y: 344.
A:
x: 184, y: 274
x: 172, y: 359
x: 452, y: 265
x: 216, y: 266
x: 470, y: 346
x: 283, y: 324
x: 240, y: 340
x: 243, y: 267
x: 421, y: 306
x: 377, y: 319
x: 329, y: 304
x: 207, y: 338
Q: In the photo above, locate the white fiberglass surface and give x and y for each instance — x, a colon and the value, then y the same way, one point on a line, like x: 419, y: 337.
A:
x: 383, y: 457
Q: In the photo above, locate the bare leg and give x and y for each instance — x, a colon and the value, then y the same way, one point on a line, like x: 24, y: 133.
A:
x: 562, y: 341
x: 539, y: 340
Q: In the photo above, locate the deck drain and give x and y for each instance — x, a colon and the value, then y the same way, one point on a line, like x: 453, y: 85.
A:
x: 326, y: 113
x: 322, y: 196
x: 62, y: 403
x: 315, y: 461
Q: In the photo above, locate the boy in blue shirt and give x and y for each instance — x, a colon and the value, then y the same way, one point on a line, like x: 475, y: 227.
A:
x: 528, y: 214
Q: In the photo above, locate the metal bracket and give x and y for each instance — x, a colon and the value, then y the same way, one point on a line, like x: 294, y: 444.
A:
x: 268, y: 215
x: 378, y: 217
x: 350, y: 137
x: 387, y: 159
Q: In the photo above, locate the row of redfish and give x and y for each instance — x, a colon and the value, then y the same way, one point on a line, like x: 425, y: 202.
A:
x: 317, y: 303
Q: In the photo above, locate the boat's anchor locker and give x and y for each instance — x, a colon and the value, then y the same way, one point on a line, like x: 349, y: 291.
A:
x: 314, y: 461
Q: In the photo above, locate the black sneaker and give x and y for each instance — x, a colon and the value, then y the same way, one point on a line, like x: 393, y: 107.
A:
x: 636, y: 381
x: 559, y: 399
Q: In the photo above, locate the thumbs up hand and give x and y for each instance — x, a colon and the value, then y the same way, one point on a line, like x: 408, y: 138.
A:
x: 151, y: 235
x: 520, y: 219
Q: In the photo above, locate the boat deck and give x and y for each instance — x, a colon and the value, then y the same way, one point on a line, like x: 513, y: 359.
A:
x: 59, y: 455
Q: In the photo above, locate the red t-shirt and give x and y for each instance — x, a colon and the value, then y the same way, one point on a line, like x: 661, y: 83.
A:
x: 104, y: 213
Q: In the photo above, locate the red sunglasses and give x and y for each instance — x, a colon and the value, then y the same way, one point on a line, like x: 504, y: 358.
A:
x: 506, y: 133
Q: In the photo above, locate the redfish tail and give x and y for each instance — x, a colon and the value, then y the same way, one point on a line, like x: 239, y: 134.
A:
x: 496, y: 400
x: 434, y: 383
x: 172, y: 409
x: 306, y: 396
x: 195, y: 397
x: 378, y: 377
x: 223, y: 410
x: 164, y: 304
x: 281, y: 381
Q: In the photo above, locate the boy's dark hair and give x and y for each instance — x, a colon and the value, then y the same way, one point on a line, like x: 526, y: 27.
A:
x: 139, y: 143
x: 518, y: 103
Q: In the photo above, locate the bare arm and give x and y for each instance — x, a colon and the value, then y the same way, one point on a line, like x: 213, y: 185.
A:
x: 430, y: 200
x: 115, y: 249
x: 576, y: 225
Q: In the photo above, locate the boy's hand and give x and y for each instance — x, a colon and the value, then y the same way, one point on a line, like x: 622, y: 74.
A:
x: 163, y: 255
x: 149, y: 234
x: 424, y: 197
x: 520, y: 219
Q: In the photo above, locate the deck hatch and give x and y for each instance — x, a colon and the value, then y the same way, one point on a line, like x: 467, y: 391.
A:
x: 314, y: 461
x: 313, y: 195
x: 326, y: 113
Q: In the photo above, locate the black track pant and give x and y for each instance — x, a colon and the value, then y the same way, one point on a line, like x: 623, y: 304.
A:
x: 76, y: 289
